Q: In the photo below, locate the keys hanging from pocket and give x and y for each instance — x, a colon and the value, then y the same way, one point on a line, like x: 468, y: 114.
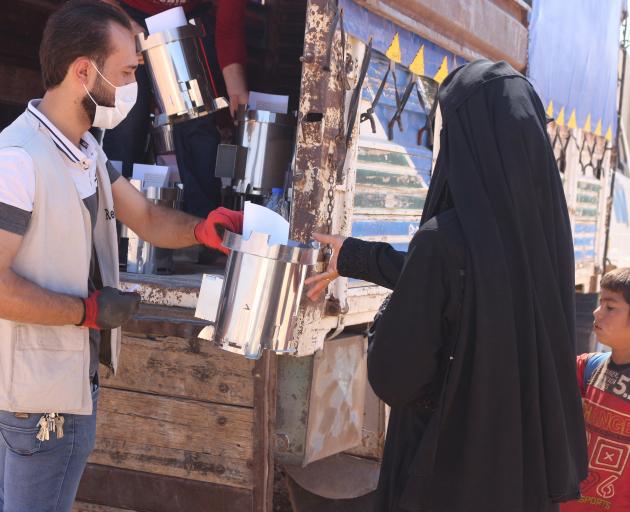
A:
x: 59, y: 421
x: 44, y: 431
x: 50, y: 422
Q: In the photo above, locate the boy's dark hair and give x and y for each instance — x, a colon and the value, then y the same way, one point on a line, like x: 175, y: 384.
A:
x: 618, y: 280
x: 79, y: 28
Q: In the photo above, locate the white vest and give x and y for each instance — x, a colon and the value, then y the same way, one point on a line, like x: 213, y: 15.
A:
x: 45, y: 368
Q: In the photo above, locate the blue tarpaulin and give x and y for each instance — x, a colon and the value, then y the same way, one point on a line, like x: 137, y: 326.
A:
x: 573, y: 55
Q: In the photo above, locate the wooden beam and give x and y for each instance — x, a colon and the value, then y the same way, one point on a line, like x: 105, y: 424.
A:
x: 182, y: 368
x: 174, y: 437
x: 90, y: 507
x: 134, y: 490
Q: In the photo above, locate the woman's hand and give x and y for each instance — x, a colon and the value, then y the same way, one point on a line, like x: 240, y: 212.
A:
x: 317, y: 284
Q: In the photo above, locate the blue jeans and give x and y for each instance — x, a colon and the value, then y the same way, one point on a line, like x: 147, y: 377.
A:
x: 38, y: 476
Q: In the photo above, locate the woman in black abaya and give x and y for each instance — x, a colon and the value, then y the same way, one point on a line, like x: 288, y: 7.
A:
x: 475, y: 350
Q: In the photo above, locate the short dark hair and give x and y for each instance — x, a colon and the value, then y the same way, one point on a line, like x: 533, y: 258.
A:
x: 79, y: 28
x: 618, y: 280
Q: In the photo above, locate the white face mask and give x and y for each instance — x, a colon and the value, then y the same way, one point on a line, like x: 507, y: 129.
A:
x: 125, y: 99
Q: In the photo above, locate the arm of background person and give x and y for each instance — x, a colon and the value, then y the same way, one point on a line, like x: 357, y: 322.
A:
x: 231, y: 50
x: 23, y: 301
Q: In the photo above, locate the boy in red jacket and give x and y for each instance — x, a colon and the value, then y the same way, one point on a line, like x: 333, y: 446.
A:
x: 604, y: 380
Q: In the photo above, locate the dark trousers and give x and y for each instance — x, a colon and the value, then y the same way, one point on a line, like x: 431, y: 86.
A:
x: 196, y: 142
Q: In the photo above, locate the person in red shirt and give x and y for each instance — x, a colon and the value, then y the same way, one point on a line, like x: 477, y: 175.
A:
x: 196, y: 141
x: 604, y: 380
x: 228, y: 36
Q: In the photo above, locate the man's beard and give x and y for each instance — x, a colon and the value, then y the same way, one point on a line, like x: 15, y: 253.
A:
x: 101, y: 94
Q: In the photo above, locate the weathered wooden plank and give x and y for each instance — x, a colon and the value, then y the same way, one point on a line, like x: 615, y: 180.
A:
x: 175, y: 437
x: 202, y: 467
x: 174, y: 423
x: 135, y: 490
x: 371, y: 178
x: 387, y: 157
x: 265, y: 422
x: 91, y: 507
x: 391, y: 201
x: 177, y: 367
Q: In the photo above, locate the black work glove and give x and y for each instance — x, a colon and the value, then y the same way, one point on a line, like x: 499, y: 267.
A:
x: 109, y: 308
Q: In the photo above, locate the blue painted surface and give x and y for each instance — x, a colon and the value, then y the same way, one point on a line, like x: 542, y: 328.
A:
x: 362, y: 24
x: 581, y: 255
x: 383, y: 228
x: 582, y: 241
x: 401, y: 247
x: 413, y: 117
x: 585, y: 228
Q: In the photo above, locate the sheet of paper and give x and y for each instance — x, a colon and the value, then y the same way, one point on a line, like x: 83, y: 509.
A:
x: 172, y: 18
x: 171, y: 162
x: 259, y: 219
x: 209, y: 296
x: 271, y: 102
x: 151, y: 175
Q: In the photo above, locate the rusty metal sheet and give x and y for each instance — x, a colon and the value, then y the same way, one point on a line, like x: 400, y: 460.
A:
x: 321, y: 152
x: 320, y: 401
x: 337, y: 398
x: 374, y: 427
x: 294, y: 382
x: 337, y: 477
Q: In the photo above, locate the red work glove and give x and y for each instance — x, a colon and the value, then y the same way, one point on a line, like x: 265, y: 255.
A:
x: 209, y: 232
x: 109, y: 308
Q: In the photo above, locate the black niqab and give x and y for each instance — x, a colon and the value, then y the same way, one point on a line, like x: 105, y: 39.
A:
x: 510, y: 435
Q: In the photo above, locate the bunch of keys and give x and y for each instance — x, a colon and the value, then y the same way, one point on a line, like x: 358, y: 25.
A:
x: 50, y: 422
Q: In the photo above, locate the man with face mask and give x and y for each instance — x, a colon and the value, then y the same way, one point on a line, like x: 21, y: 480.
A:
x: 60, y: 307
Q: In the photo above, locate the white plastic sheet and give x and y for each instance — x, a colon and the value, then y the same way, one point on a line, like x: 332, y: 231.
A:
x: 173, y: 18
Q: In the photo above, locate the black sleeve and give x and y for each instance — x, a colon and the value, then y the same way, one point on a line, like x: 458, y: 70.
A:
x: 404, y: 350
x: 376, y: 262
x: 112, y: 172
x: 14, y: 220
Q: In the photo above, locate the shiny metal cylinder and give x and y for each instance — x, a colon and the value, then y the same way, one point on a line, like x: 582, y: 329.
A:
x: 162, y: 138
x: 261, y: 294
x: 268, y: 138
x: 179, y: 72
x: 143, y: 257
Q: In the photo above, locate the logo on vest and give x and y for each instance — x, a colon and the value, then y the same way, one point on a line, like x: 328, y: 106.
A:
x: 109, y: 214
